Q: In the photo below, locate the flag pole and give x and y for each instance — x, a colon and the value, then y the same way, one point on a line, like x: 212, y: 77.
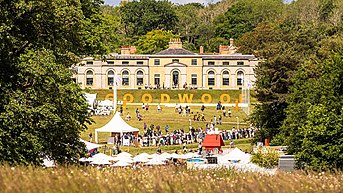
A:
x: 115, y: 93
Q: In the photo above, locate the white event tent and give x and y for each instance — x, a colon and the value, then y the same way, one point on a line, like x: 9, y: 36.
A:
x: 90, y: 99
x: 90, y: 145
x: 116, y: 125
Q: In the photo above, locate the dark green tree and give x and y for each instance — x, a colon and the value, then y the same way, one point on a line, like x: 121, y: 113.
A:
x: 154, y: 41
x: 244, y: 16
x: 140, y: 17
x: 42, y: 111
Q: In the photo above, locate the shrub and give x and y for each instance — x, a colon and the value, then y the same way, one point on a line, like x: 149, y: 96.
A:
x: 265, y: 157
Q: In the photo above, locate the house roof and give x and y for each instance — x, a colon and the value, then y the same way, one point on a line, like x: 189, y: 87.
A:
x: 213, y: 141
x: 229, y: 57
x: 175, y: 51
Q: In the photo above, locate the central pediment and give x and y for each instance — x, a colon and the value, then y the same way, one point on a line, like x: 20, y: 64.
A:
x: 177, y: 64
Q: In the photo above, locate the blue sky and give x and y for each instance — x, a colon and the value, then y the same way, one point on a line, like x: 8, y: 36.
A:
x: 116, y: 2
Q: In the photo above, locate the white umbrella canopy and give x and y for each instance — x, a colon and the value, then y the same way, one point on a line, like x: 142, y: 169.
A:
x: 102, y: 156
x: 90, y: 145
x: 121, y: 163
x: 100, y: 162
x: 237, y: 154
x: 125, y: 159
x: 175, y: 156
x: 154, y: 155
x: 158, y: 157
x: 166, y: 155
x: 155, y: 162
x: 124, y: 154
x: 140, y: 159
x: 144, y: 155
x: 187, y: 156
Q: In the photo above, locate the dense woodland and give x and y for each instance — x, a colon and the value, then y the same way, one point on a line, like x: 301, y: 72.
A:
x: 299, y: 79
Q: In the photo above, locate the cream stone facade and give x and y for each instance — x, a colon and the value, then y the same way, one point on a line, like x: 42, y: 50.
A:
x: 173, y: 68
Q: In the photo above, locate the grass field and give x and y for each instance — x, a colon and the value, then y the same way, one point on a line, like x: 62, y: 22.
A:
x: 169, y: 117
x: 170, y: 179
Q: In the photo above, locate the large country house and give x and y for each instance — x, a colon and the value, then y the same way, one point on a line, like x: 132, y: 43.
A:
x: 173, y: 68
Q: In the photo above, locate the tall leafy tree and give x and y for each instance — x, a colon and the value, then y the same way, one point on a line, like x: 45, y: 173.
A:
x: 140, y: 17
x: 244, y: 16
x: 42, y: 111
x: 154, y: 41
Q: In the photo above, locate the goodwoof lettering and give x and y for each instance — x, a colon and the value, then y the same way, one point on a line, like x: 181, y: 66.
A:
x: 183, y: 98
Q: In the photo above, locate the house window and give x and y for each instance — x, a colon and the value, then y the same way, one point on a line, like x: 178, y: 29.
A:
x: 211, y: 63
x: 125, y: 62
x: 89, y: 78
x: 175, y: 60
x: 110, y: 62
x: 194, y: 79
x: 210, y: 79
x: 226, y: 63
x: 157, y: 79
x: 157, y: 61
x: 89, y: 62
x: 125, y: 78
x: 240, y: 78
x: 140, y: 78
x: 139, y: 62
x: 240, y: 63
x: 194, y: 62
x: 110, y: 78
x: 226, y: 78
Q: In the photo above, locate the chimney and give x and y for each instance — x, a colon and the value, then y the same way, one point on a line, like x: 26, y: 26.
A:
x: 133, y: 49
x: 231, y: 42
x: 201, y: 49
x: 175, y: 43
x: 125, y: 50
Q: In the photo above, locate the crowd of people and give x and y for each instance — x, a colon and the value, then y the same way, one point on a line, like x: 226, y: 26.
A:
x: 156, y: 135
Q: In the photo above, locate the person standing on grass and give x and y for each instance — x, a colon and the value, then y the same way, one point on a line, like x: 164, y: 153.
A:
x: 229, y: 113
x: 202, y: 108
x: 214, y: 120
x: 203, y: 117
x: 143, y: 106
x: 90, y: 137
x: 224, y: 111
x: 220, y: 119
x: 166, y: 128
x: 147, y: 107
x: 158, y: 107
x: 128, y: 116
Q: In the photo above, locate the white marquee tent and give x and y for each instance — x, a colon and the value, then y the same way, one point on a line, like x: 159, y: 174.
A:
x: 116, y: 125
x: 90, y: 145
x: 90, y: 99
x: 236, y: 154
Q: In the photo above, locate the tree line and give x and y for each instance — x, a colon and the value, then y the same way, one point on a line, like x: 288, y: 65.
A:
x: 298, y: 87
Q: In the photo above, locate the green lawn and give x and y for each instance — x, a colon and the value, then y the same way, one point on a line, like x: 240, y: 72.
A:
x: 169, y: 117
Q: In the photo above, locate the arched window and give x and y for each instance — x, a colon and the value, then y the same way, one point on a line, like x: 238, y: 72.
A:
x: 125, y: 78
x: 89, y: 78
x: 240, y: 78
x: 110, y: 78
x: 210, y: 79
x: 140, y: 78
x: 226, y: 78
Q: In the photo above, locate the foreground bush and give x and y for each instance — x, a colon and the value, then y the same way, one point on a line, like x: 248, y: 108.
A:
x: 161, y: 179
x: 265, y: 157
